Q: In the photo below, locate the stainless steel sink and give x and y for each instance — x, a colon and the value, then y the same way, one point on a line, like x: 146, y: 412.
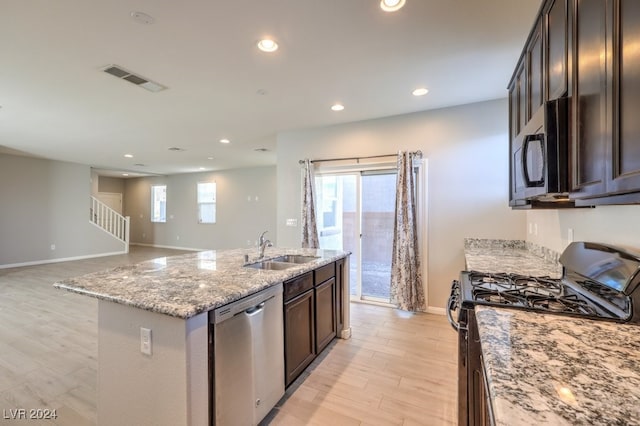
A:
x: 271, y: 265
x: 294, y: 258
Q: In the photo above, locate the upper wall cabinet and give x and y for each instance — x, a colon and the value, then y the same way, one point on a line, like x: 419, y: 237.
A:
x: 606, y: 101
x: 587, y: 50
x: 557, y: 37
x: 540, y: 75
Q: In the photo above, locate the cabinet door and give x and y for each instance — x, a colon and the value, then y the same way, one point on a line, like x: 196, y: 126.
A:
x: 556, y: 49
x: 339, y: 296
x: 625, y: 153
x: 590, y: 122
x: 325, y: 314
x: 521, y: 84
x: 535, y: 73
x: 299, y: 335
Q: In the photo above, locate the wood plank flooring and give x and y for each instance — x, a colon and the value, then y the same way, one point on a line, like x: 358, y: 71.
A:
x: 397, y: 369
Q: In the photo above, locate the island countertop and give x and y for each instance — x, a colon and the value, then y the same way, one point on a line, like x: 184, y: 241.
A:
x: 186, y: 285
x: 549, y: 369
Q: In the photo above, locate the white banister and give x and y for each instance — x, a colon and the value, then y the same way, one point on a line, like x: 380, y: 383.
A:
x: 110, y: 221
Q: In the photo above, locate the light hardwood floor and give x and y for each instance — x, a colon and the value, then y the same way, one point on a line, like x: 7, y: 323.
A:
x: 397, y: 368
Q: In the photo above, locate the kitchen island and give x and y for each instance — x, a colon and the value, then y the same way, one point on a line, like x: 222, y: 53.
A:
x: 556, y: 370
x: 172, y: 297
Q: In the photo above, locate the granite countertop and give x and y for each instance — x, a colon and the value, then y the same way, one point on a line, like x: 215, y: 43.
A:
x: 511, y: 256
x: 186, y: 285
x: 549, y: 369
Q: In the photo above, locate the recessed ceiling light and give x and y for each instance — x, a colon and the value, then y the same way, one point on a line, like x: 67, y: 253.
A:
x: 209, y: 158
x: 225, y: 141
x: 420, y: 91
x: 125, y: 174
x: 337, y: 107
x: 267, y: 45
x: 391, y: 5
x: 203, y: 168
x: 128, y: 155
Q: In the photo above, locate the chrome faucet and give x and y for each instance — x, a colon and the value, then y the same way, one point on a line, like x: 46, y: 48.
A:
x: 263, y: 243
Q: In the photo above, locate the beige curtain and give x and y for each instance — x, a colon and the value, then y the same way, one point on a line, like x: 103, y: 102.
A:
x: 309, y: 228
x: 406, y: 279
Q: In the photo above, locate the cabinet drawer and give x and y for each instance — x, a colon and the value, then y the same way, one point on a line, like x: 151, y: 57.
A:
x: 297, y: 285
x: 325, y: 272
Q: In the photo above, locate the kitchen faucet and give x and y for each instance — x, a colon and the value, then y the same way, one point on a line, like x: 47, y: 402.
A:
x: 262, y: 244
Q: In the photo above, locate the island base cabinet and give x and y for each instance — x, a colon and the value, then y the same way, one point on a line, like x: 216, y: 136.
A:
x: 299, y: 334
x: 325, y: 314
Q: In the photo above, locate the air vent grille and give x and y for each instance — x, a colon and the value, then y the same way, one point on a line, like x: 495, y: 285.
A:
x: 121, y: 73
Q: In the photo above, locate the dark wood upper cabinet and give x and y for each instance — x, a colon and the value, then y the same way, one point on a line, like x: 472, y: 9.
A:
x: 534, y: 71
x: 585, y: 50
x: 556, y: 36
x: 590, y: 122
x: 606, y: 100
x: 625, y: 161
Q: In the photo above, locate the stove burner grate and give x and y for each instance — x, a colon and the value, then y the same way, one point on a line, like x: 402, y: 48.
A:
x: 538, y: 293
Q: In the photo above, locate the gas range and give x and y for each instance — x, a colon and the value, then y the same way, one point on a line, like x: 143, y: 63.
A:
x: 599, y: 282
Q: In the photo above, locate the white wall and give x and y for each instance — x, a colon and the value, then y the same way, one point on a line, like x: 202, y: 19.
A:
x: 45, y: 203
x: 616, y: 225
x: 246, y: 206
x: 467, y: 152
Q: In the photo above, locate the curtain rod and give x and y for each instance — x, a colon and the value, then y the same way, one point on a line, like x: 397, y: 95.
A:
x: 419, y: 153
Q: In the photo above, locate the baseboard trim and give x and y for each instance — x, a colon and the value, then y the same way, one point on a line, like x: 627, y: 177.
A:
x: 436, y: 310
x: 58, y: 260
x: 167, y: 247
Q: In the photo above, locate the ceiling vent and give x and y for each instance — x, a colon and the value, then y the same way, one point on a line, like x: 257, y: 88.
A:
x: 121, y: 73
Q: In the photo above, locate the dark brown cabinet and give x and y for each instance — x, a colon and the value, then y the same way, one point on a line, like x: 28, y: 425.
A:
x: 325, y: 314
x: 534, y: 71
x: 625, y: 155
x: 585, y: 50
x: 589, y: 121
x: 299, y: 325
x: 557, y: 38
x: 606, y: 153
x: 312, y: 309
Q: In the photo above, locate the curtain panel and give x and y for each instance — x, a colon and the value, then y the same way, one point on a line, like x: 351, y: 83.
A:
x: 407, y: 291
x: 309, y: 228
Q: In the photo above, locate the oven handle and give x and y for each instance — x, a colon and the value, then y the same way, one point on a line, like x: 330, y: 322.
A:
x: 452, y: 305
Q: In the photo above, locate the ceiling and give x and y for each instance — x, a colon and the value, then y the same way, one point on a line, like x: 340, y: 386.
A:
x: 57, y: 103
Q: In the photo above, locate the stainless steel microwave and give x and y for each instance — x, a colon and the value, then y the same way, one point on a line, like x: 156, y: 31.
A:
x: 540, y: 155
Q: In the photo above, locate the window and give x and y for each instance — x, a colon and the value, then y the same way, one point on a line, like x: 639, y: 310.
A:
x: 207, y: 202
x: 159, y: 203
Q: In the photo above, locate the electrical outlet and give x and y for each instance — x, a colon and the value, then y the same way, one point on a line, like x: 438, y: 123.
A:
x: 535, y: 229
x: 177, y: 237
x: 145, y: 340
x: 570, y: 235
x: 53, y: 246
x: 530, y: 228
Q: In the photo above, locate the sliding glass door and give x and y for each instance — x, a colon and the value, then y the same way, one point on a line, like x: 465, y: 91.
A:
x: 355, y: 212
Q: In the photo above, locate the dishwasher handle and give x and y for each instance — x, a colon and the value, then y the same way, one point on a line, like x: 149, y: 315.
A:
x: 255, y: 309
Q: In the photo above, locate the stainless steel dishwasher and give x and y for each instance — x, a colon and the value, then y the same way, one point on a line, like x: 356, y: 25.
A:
x: 248, y: 361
